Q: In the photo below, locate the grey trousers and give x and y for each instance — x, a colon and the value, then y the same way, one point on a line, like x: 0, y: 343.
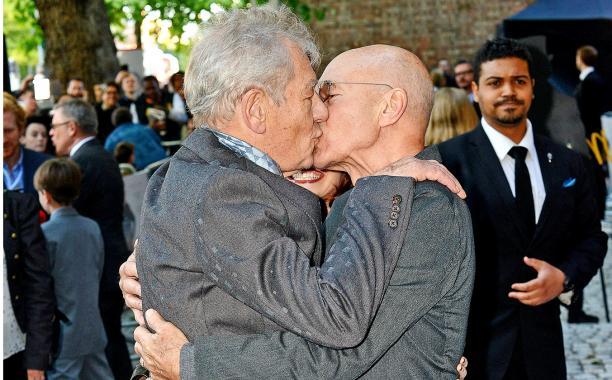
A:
x: 91, y: 366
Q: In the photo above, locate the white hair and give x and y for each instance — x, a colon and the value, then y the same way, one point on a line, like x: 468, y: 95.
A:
x: 243, y: 49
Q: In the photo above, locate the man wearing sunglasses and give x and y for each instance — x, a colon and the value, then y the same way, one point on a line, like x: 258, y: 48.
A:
x: 377, y: 116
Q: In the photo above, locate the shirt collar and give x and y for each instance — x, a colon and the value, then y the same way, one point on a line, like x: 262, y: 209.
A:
x: 19, y: 162
x: 502, y: 144
x: 63, y: 211
x: 78, y: 145
x: 586, y: 71
x: 247, y: 151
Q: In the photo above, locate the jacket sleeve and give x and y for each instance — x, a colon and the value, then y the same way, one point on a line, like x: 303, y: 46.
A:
x: 437, y: 261
x: 591, y: 243
x: 38, y: 288
x: 260, y: 265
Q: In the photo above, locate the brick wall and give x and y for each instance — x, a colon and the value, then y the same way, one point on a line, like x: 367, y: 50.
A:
x: 433, y: 29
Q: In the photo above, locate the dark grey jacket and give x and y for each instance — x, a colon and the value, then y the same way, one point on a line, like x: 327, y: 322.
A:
x: 417, y: 333
x: 228, y: 248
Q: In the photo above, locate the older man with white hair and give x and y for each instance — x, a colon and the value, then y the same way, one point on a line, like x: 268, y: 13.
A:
x: 230, y: 248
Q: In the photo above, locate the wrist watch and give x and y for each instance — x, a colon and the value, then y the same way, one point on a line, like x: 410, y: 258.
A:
x: 567, y: 296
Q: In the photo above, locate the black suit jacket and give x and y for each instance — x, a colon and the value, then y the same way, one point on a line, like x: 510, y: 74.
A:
x: 101, y: 199
x: 568, y: 235
x: 590, y: 96
x: 29, y: 277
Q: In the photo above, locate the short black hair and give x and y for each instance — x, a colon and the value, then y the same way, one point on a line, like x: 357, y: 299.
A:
x: 461, y: 62
x: 121, y: 115
x: 123, y: 152
x: 499, y: 48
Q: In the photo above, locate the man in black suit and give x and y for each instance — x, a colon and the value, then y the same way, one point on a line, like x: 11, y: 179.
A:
x: 29, y: 304
x: 536, y: 231
x: 590, y: 97
x: 73, y: 133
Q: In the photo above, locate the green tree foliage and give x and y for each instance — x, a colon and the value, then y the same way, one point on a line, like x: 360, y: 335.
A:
x: 24, y: 34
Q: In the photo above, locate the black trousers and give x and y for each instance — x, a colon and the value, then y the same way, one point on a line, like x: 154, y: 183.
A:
x: 516, y: 369
x: 111, y: 307
x: 12, y: 367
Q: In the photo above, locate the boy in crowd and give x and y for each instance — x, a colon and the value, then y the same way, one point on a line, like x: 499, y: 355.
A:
x: 76, y: 256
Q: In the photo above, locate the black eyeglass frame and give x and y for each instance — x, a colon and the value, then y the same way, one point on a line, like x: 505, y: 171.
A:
x: 328, y: 84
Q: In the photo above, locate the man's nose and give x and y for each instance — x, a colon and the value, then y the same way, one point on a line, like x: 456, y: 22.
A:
x: 319, y: 110
x: 508, y: 89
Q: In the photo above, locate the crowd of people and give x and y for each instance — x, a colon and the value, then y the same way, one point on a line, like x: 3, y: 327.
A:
x: 402, y: 279
x: 118, y: 133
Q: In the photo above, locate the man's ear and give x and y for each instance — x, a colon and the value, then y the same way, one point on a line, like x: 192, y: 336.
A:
x: 474, y: 90
x: 73, y: 128
x: 394, y: 105
x: 254, y: 109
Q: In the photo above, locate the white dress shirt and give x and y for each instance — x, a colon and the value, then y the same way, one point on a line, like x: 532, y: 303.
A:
x: 78, y: 145
x: 585, y: 72
x: 502, y: 145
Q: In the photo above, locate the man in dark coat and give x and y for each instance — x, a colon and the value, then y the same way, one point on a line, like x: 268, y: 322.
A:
x: 101, y: 199
x: 537, y: 235
x: 30, y: 301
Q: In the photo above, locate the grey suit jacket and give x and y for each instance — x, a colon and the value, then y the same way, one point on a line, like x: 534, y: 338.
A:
x: 76, y: 255
x: 418, y: 332
x: 228, y: 248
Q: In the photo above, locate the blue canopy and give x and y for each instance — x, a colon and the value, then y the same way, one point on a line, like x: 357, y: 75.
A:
x: 548, y: 10
x: 583, y: 19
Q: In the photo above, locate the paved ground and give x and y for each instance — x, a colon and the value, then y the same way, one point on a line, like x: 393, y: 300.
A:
x: 588, y: 347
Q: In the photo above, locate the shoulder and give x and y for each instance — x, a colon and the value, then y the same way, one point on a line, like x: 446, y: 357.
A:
x: 558, y: 150
x: 456, y: 144
x: 36, y: 158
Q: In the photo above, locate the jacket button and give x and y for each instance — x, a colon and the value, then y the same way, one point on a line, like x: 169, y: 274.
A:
x: 5, y: 215
x: 16, y: 298
x: 393, y: 223
x: 13, y: 277
x: 16, y: 257
x: 397, y: 199
x: 394, y: 215
x: 14, y: 235
x: 395, y: 208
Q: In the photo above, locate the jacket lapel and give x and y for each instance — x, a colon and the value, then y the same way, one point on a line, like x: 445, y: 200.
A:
x: 551, y: 176
x: 493, y: 175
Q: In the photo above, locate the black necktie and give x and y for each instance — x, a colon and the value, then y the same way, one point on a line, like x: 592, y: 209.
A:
x: 522, y: 189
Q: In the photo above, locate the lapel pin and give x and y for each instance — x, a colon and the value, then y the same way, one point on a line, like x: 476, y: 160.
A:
x: 549, y: 155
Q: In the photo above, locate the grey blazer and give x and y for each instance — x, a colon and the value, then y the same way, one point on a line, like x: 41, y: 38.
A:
x: 418, y: 332
x: 76, y: 255
x: 228, y: 248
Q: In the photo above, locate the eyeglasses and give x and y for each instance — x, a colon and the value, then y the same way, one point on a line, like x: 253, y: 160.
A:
x: 326, y: 87
x: 54, y: 126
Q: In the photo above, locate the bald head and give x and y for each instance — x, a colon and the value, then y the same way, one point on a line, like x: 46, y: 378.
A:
x: 379, y: 99
x: 390, y: 65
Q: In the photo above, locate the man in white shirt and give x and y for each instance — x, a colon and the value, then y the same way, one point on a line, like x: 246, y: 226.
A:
x: 536, y: 231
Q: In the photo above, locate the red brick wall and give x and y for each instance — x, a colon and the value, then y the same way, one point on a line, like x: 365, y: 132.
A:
x: 433, y: 29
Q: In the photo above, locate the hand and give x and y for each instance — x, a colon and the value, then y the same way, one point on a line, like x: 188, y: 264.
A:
x: 422, y: 170
x: 547, y: 286
x: 130, y: 287
x: 462, y: 368
x: 160, y: 352
x: 36, y: 374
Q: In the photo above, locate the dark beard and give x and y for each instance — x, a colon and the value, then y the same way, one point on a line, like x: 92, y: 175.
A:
x: 510, y: 120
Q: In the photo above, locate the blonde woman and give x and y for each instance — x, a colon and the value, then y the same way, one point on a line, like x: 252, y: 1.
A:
x: 453, y: 114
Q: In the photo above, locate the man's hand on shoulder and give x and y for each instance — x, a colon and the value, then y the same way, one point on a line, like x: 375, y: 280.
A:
x: 547, y: 286
x: 422, y: 170
x: 160, y: 352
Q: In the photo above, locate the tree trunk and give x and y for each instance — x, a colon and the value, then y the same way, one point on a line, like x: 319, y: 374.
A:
x: 78, y: 41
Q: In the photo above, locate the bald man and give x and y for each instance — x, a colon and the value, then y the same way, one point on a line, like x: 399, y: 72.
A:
x: 379, y: 99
